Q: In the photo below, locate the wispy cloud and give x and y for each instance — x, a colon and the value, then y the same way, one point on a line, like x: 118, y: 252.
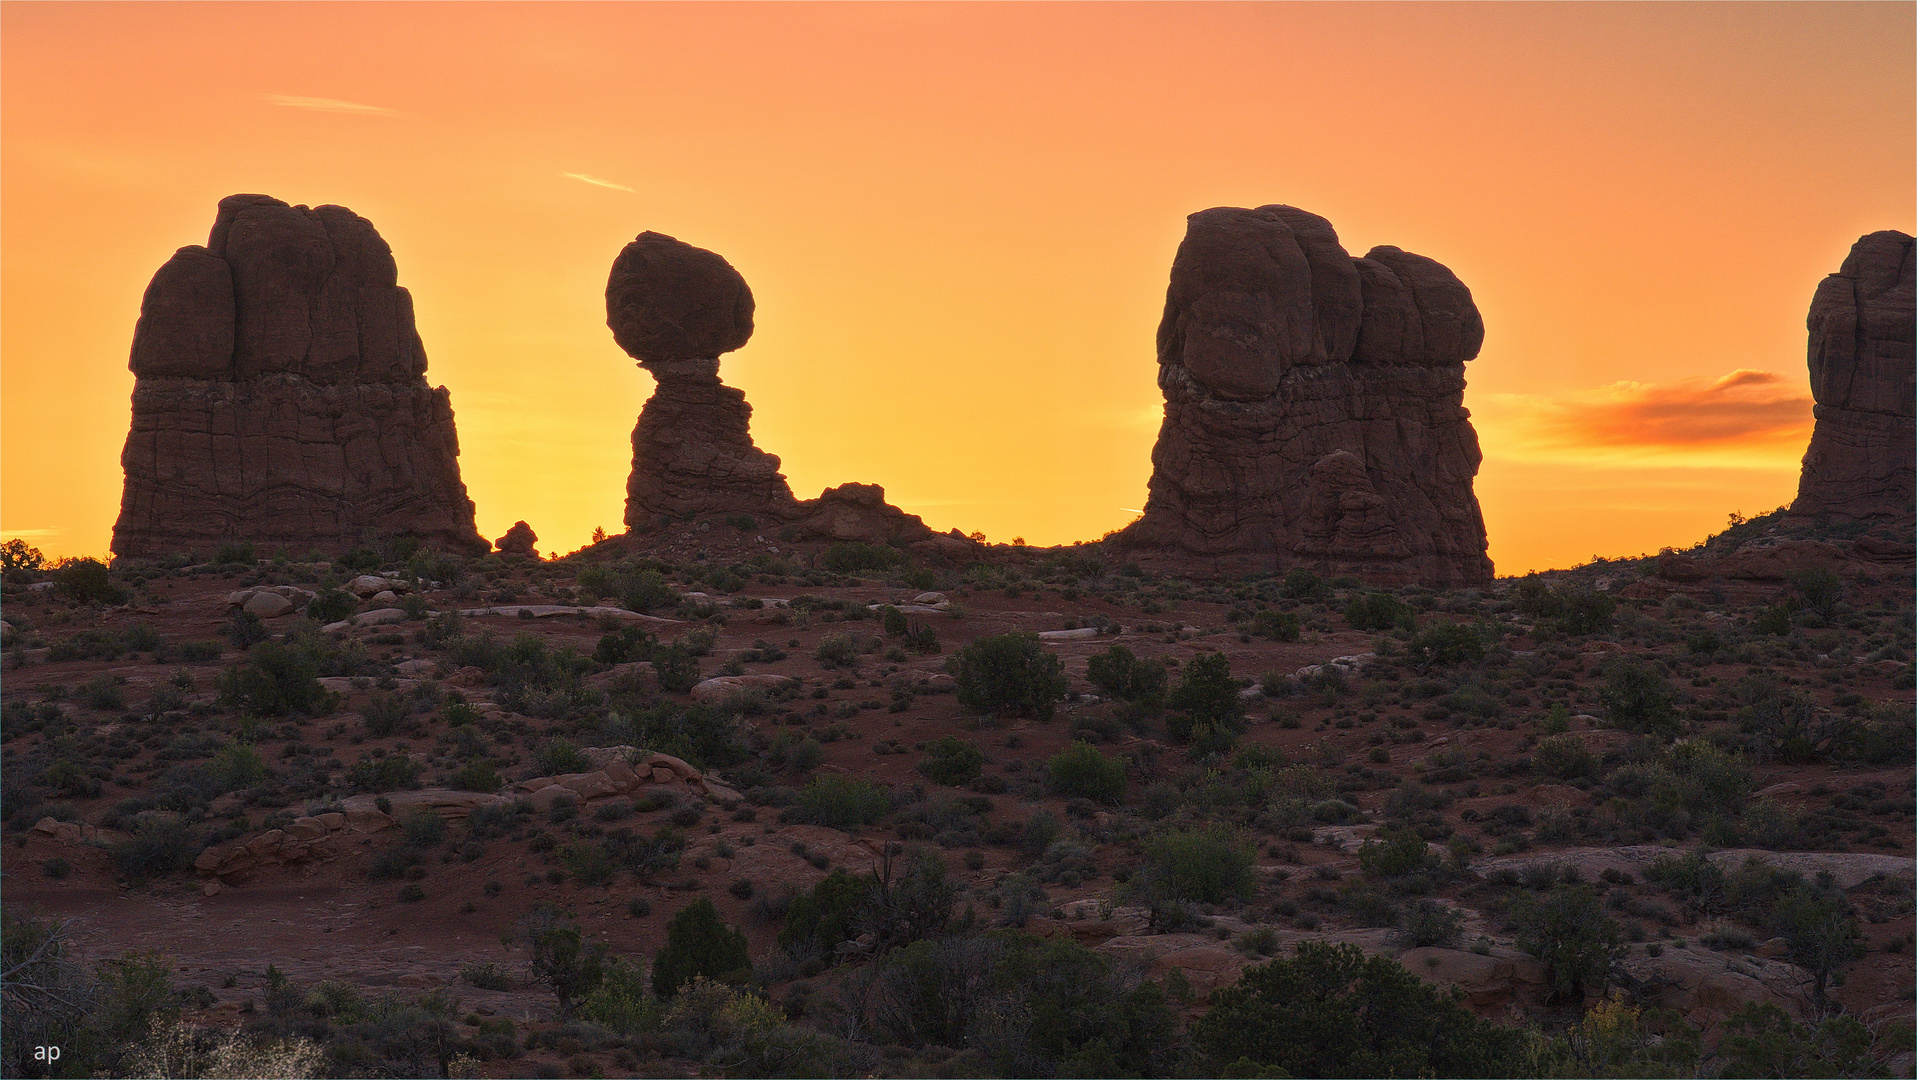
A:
x: 320, y: 104
x: 31, y: 534
x: 595, y: 181
x: 1745, y: 415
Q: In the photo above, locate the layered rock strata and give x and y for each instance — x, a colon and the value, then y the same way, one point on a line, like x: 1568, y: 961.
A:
x: 1862, y: 460
x: 1313, y: 406
x: 280, y: 395
x: 676, y: 309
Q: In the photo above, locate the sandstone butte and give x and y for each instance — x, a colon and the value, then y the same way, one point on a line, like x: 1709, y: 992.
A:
x: 1862, y: 460
x: 281, y: 397
x: 676, y: 309
x: 1314, y: 410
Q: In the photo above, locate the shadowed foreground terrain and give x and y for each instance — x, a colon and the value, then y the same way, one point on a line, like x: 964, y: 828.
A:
x: 710, y: 799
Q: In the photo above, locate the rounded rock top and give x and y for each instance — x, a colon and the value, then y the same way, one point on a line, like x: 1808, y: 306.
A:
x: 667, y: 300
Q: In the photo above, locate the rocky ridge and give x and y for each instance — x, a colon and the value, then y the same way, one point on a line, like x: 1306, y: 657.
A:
x: 281, y: 396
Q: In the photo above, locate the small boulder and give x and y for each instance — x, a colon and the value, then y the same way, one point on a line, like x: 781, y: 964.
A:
x: 267, y: 605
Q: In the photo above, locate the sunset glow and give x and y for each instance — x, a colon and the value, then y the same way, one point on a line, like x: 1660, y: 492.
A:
x: 958, y: 220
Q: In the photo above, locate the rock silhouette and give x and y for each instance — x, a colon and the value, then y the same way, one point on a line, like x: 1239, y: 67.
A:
x: 675, y: 309
x: 519, y: 540
x: 281, y: 395
x: 1313, y: 406
x: 1861, y: 462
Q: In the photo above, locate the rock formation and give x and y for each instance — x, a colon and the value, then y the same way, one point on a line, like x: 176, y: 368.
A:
x: 1313, y: 406
x: 675, y: 308
x: 281, y: 395
x: 519, y: 540
x: 1862, y: 460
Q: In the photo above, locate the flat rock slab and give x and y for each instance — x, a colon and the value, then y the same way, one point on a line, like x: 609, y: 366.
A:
x: 376, y: 617
x: 1847, y: 869
x: 547, y: 611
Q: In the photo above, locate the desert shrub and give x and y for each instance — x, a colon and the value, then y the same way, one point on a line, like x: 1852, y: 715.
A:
x: 1820, y: 931
x: 482, y: 776
x: 1378, y: 611
x: 1775, y: 620
x: 951, y: 760
x: 559, y: 756
x: 87, y: 581
x: 1302, y: 584
x: 1636, y: 697
x: 276, y: 680
x: 646, y: 856
x: 1447, y: 644
x: 245, y: 630
x: 838, y: 650
x: 1818, y: 587
x: 1276, y: 625
x: 159, y: 845
x: 1080, y: 771
x: 1433, y: 924
x: 847, y: 558
x: 1207, y: 697
x: 1761, y: 1039
x: 390, y: 773
x: 828, y: 914
x: 568, y: 964
x: 1120, y: 675
x: 1333, y: 1011
x: 1011, y: 674
x: 383, y: 714
x: 238, y: 766
x: 588, y: 863
x: 423, y: 828
x: 1208, y: 865
x: 1563, y: 757
x: 1395, y: 853
x: 1569, y: 931
x: 841, y: 802
x: 698, y: 943
x: 331, y: 605
x: 18, y: 558
x: 487, y: 976
x: 637, y: 589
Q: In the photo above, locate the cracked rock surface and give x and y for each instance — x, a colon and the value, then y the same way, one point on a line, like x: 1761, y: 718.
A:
x: 1860, y: 463
x: 1314, y: 408
x: 281, y: 395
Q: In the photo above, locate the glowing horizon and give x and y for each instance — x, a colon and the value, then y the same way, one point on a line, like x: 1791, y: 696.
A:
x: 957, y: 221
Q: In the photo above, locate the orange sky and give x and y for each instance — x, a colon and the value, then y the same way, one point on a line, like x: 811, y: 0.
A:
x: 958, y: 221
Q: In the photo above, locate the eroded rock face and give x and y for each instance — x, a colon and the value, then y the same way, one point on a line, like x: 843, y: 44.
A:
x: 519, y: 540
x: 1863, y: 360
x: 675, y: 308
x: 1314, y: 406
x: 281, y: 395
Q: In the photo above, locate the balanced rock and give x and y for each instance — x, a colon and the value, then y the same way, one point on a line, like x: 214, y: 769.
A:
x: 1314, y: 408
x: 675, y: 309
x: 519, y: 540
x: 280, y: 395
x: 1862, y: 460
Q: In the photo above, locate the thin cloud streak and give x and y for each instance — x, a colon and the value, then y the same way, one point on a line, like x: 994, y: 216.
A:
x: 595, y: 181
x: 1745, y: 414
x: 334, y: 105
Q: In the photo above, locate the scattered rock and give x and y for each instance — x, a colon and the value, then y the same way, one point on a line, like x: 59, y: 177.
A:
x: 267, y: 605
x: 721, y: 687
x: 280, y: 395
x: 1314, y: 406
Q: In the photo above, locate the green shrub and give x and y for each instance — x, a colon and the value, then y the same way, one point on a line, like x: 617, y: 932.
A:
x: 237, y: 766
x: 850, y: 558
x: 951, y: 760
x: 1819, y: 587
x: 1395, y: 853
x: 87, y: 581
x: 838, y: 650
x: 1333, y: 1011
x: 588, y: 863
x: 331, y: 605
x: 18, y: 557
x: 1761, y: 1039
x: 1776, y: 620
x: 699, y: 943
x: 828, y: 914
x: 1276, y: 625
x: 1564, y: 757
x: 423, y: 828
x: 383, y: 774
x: 1207, y: 696
x: 1821, y: 933
x: 1569, y: 931
x: 557, y: 757
x: 1084, y: 773
x: 1123, y: 677
x: 157, y: 846
x: 1011, y: 674
x: 1378, y: 611
x: 1302, y: 584
x: 1636, y: 697
x: 482, y: 776
x: 276, y: 680
x: 562, y: 958
x: 842, y: 802
x: 1208, y: 866
x: 1446, y: 644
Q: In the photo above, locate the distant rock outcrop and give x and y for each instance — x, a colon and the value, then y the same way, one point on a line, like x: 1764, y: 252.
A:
x: 1313, y: 406
x: 1862, y: 460
x: 675, y: 308
x: 519, y: 540
x: 281, y: 395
